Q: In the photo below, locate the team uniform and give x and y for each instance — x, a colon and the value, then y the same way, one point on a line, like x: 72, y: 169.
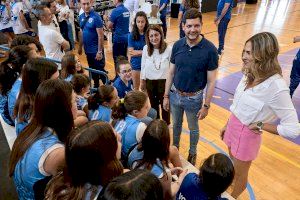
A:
x: 103, y: 113
x: 131, y: 129
x: 30, y: 169
x: 137, y: 45
x: 122, y: 88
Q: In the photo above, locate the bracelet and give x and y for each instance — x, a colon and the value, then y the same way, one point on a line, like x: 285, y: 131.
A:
x: 99, y: 52
x: 166, y: 96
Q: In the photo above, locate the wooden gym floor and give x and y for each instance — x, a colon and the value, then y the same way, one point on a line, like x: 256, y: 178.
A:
x: 275, y: 174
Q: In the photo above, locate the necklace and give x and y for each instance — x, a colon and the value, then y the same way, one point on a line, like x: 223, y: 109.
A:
x: 154, y: 63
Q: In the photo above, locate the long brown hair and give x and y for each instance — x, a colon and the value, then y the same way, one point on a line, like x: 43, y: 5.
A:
x: 68, y: 65
x: 162, y: 45
x: 34, y: 72
x: 52, y: 108
x: 156, y: 135
x: 90, y: 158
x: 264, y: 49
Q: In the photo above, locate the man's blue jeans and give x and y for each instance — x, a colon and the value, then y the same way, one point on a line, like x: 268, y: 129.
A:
x: 295, y: 74
x: 191, y: 106
x: 222, y: 28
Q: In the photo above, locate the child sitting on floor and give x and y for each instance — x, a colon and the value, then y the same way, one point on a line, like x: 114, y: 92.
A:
x: 100, y: 103
x: 216, y: 175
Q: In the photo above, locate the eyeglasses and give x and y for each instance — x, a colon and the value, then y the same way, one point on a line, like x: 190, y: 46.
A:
x: 125, y: 71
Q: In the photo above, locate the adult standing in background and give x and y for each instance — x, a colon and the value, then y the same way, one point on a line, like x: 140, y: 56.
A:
x: 5, y: 20
x: 92, y: 38
x: 51, y: 4
x: 194, y: 63
x: 222, y: 19
x: 119, y: 24
x: 163, y: 15
x: 155, y: 68
x: 136, y: 43
x: 184, y: 6
x: 52, y: 41
x: 260, y: 98
x: 20, y: 25
x: 132, y: 6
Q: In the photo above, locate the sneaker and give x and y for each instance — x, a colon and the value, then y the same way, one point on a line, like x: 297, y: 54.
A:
x: 192, y: 159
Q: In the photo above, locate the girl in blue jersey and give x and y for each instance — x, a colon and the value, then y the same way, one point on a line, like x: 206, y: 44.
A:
x: 215, y: 176
x: 128, y: 114
x: 70, y: 65
x: 10, y: 70
x: 154, y: 153
x: 136, y: 43
x: 101, y: 102
x: 123, y: 83
x: 34, y: 72
x: 88, y: 168
x: 38, y: 151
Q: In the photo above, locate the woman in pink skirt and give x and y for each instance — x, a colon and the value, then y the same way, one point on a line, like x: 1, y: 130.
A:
x: 261, y: 97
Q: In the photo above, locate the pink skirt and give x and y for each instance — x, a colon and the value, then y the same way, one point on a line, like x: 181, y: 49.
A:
x: 243, y: 143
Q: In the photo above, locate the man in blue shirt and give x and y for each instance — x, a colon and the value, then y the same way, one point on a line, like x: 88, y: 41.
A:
x: 92, y: 38
x: 163, y: 15
x: 119, y: 23
x: 193, y: 66
x: 223, y: 17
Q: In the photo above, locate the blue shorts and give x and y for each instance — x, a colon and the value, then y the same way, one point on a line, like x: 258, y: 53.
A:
x: 136, y: 68
x: 7, y: 30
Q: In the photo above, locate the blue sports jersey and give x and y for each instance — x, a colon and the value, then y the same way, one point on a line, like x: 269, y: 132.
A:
x: 220, y: 7
x: 28, y: 170
x: 163, y: 12
x: 81, y: 102
x: 135, y: 61
x: 120, y: 19
x: 89, y: 32
x: 12, y: 97
x: 191, y: 188
x: 103, y: 113
x: 122, y: 88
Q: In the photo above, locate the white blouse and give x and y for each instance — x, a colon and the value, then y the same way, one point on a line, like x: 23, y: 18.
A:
x: 266, y: 102
x: 156, y: 66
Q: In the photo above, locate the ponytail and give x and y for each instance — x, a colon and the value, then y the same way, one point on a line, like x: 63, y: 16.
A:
x: 103, y: 94
x: 134, y: 100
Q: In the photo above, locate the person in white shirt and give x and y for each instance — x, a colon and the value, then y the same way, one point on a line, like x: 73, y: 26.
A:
x: 132, y: 6
x: 63, y: 19
x: 5, y: 20
x: 51, y: 4
x: 261, y: 96
x: 52, y: 41
x: 155, y: 68
x: 20, y: 25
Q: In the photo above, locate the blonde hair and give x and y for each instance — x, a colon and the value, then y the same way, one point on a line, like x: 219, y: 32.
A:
x: 265, y: 49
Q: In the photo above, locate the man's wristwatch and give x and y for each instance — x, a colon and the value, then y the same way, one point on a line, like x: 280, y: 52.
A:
x: 260, y: 125
x: 207, y: 106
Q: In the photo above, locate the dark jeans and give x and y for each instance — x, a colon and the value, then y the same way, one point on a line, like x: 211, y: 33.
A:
x: 119, y: 49
x: 163, y: 19
x: 155, y: 90
x: 295, y: 74
x: 222, y: 28
x: 96, y: 64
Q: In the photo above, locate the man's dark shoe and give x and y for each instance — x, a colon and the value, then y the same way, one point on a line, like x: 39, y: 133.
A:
x: 192, y: 158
